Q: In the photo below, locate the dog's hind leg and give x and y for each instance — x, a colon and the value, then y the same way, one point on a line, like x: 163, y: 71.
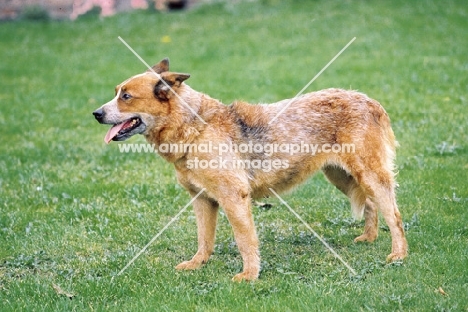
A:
x: 359, y: 203
x: 371, y: 224
x: 384, y: 197
x: 206, y: 213
x: 377, y: 182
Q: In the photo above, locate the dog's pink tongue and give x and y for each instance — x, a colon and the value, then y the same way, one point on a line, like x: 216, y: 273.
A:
x: 113, y: 132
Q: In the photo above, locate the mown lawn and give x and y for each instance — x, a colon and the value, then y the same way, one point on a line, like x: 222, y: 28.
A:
x: 74, y: 211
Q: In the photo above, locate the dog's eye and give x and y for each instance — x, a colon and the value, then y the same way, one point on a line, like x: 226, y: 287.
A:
x: 126, y: 96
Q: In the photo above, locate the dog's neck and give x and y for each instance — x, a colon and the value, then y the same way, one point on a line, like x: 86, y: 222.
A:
x: 195, y: 109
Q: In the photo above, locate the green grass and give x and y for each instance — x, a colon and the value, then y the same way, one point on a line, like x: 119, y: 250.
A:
x: 74, y: 211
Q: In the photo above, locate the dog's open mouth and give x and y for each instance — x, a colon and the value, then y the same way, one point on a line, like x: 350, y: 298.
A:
x: 123, y: 130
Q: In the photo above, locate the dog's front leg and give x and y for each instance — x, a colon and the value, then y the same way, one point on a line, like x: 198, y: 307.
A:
x: 239, y: 213
x: 206, y: 212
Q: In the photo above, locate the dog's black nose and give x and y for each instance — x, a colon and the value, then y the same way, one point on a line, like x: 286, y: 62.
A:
x: 98, y: 114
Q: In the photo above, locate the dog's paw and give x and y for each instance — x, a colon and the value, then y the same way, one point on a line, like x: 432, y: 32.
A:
x: 366, y: 237
x: 395, y: 256
x: 245, y: 276
x: 189, y: 265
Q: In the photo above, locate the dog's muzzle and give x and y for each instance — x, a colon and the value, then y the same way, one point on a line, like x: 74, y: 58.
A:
x: 121, y: 129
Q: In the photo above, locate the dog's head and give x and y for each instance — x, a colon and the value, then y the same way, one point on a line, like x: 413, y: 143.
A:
x: 139, y: 102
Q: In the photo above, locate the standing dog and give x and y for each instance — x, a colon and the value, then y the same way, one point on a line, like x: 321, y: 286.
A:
x: 237, y: 167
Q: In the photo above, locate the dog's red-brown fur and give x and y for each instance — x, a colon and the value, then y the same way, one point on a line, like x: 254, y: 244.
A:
x: 331, y: 116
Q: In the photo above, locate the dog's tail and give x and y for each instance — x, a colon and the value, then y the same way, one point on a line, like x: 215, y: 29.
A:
x: 390, y: 144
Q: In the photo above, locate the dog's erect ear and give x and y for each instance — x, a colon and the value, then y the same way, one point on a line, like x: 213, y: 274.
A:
x: 173, y: 81
x: 161, y: 67
x: 175, y: 78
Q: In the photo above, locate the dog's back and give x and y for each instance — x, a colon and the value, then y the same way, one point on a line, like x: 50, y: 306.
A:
x: 315, y: 130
